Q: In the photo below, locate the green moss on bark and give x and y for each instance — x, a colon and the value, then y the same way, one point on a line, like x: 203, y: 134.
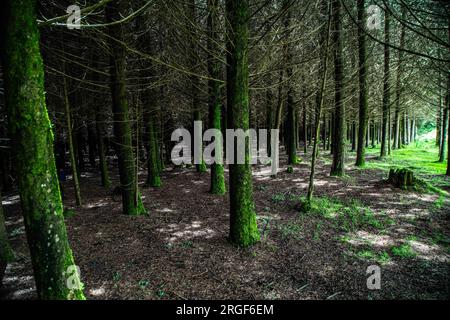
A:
x: 243, y: 228
x: 31, y: 130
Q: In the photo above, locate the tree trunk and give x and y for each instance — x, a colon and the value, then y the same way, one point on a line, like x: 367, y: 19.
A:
x: 363, y: 112
x: 100, y: 133
x: 442, y: 149
x: 153, y: 170
x: 243, y: 228
x: 305, y: 131
x: 398, y: 87
x: 195, y: 82
x: 386, y: 89
x: 323, y: 70
x: 30, y: 128
x: 6, y: 253
x: 215, y: 107
x: 337, y: 167
x: 131, y: 199
x: 92, y: 143
x: 290, y: 123
x: 73, y: 162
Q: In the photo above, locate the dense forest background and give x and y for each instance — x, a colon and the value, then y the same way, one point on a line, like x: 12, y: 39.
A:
x: 360, y: 91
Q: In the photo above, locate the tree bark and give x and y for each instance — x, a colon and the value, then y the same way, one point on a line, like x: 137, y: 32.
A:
x: 215, y: 107
x: 131, y: 199
x: 30, y: 128
x: 6, y: 253
x: 73, y: 162
x: 243, y: 228
x: 337, y: 167
x: 386, y: 89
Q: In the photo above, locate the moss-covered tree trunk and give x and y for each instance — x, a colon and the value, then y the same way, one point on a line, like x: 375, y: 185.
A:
x: 243, y: 228
x: 363, y: 112
x: 386, y: 89
x: 443, y: 148
x: 337, y: 166
x: 31, y: 130
x: 131, y: 199
x: 215, y: 106
x: 445, y: 141
x: 6, y: 253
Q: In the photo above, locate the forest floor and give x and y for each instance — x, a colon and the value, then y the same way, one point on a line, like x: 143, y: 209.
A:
x: 180, y: 250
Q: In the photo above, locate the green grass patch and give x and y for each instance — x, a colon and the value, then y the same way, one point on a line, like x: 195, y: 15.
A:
x: 403, y: 251
x: 421, y: 157
x: 348, y: 216
x: 381, y: 257
x: 291, y: 230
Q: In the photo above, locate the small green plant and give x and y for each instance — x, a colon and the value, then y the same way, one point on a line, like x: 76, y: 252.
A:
x: 384, y: 257
x: 187, y: 244
x: 117, y: 276
x: 143, y: 284
x: 160, y: 293
x: 381, y: 258
x: 277, y: 198
x: 403, y: 251
x: 317, y: 231
x: 366, y: 254
x: 439, y: 203
x: 290, y: 169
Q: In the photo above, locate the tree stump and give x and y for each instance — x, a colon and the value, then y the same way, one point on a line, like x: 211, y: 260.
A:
x: 401, y: 178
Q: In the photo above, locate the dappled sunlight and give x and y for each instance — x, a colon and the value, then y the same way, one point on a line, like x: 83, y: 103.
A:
x: 12, y: 283
x: 428, y: 251
x: 98, y: 204
x: 97, y: 292
x: 12, y: 222
x: 11, y: 200
x: 197, y: 182
x: 164, y: 210
x: 185, y: 231
x: 361, y: 237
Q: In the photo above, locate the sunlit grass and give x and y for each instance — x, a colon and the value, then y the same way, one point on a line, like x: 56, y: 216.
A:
x: 421, y: 157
